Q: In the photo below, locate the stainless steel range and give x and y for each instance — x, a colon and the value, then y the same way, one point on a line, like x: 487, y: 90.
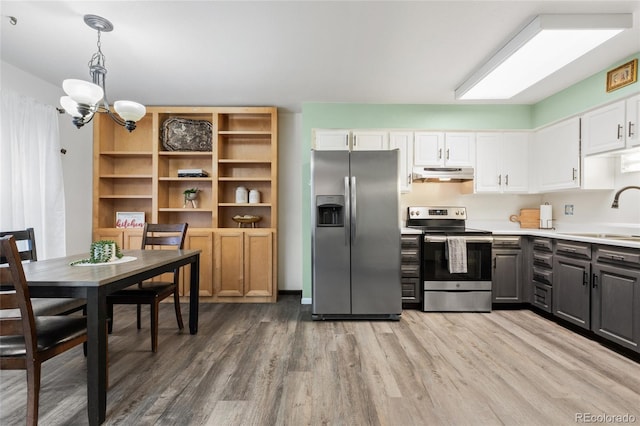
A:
x: 456, y: 260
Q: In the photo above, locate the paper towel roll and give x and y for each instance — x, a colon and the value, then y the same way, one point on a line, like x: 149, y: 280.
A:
x: 546, y: 214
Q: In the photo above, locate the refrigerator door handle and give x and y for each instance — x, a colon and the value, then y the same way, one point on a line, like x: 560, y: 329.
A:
x: 347, y: 211
x: 354, y: 211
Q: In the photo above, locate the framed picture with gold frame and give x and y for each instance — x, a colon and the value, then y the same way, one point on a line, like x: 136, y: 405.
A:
x: 622, y: 76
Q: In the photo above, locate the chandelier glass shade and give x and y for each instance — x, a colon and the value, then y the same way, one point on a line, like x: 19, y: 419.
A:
x: 85, y: 98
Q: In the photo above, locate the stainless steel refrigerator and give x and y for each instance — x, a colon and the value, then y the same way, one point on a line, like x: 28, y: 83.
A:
x: 355, y: 235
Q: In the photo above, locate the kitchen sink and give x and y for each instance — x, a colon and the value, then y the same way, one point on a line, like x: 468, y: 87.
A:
x: 626, y: 237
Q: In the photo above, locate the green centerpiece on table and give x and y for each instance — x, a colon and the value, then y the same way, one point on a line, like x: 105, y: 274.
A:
x: 102, y: 251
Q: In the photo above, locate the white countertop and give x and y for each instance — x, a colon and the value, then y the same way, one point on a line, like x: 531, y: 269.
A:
x: 562, y: 231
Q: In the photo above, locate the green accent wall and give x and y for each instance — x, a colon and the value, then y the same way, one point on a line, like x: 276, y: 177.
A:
x: 582, y: 96
x: 573, y: 100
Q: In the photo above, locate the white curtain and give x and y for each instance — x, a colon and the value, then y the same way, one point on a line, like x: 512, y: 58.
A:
x: 31, y: 180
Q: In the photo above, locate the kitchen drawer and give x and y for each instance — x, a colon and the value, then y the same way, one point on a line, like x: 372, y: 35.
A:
x: 617, y: 255
x: 506, y: 241
x: 543, y: 259
x: 542, y: 296
x: 411, y: 241
x: 542, y: 275
x: 542, y: 244
x: 411, y: 270
x: 410, y: 290
x: 410, y: 255
x: 573, y: 249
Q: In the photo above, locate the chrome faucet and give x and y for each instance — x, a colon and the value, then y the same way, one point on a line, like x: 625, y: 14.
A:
x: 614, y: 205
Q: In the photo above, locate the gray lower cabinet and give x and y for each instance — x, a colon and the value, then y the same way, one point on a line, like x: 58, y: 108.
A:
x: 615, y: 295
x: 571, y: 282
x: 541, y: 273
x: 410, y: 267
x: 507, y: 269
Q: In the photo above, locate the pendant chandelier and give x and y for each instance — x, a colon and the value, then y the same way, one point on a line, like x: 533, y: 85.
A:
x: 84, y: 99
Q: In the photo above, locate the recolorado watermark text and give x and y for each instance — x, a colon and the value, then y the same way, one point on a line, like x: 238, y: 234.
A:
x: 605, y: 418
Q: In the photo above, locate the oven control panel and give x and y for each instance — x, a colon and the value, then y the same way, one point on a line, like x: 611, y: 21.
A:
x: 437, y: 213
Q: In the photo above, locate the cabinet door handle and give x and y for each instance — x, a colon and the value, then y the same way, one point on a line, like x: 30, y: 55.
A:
x: 630, y: 127
x: 619, y: 131
x: 440, y: 154
x: 346, y: 140
x: 355, y: 140
x: 494, y: 263
x: 506, y: 180
x: 595, y: 281
x: 409, y: 179
x: 585, y: 278
x: 499, y: 180
x: 573, y: 175
x: 447, y: 153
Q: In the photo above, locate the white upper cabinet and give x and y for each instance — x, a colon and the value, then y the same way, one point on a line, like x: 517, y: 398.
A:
x: 633, y: 121
x: 440, y: 149
x: 556, y: 156
x: 428, y: 148
x: 364, y: 140
x: 502, y: 162
x: 611, y: 127
x: 404, y: 142
x: 331, y: 140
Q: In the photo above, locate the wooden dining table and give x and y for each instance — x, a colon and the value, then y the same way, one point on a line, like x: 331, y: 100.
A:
x: 58, y: 278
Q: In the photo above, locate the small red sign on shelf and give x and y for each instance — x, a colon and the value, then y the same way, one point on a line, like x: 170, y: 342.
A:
x: 129, y: 219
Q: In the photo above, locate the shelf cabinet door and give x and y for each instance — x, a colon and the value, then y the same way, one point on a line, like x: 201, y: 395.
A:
x: 615, y: 296
x: 428, y: 149
x: 633, y: 121
x: 258, y: 263
x: 459, y: 149
x: 243, y: 263
x: 514, y: 162
x: 228, y: 269
x: 488, y: 175
x: 507, y: 276
x: 331, y: 140
x: 557, y: 156
x: 370, y: 141
x: 403, y: 141
x: 199, y: 240
x: 603, y: 129
x: 571, y: 292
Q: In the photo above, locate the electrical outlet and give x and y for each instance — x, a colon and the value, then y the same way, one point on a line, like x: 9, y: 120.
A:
x: 568, y: 209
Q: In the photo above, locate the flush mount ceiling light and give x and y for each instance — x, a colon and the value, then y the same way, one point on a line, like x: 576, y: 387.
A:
x: 84, y: 99
x: 545, y: 45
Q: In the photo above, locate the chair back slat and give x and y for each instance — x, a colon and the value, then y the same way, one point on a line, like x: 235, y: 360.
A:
x: 9, y: 300
x: 26, y: 242
x: 13, y: 276
x: 163, y: 234
x: 12, y: 326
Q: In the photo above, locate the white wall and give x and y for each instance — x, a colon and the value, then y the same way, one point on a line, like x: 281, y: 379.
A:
x: 594, y: 207
x: 480, y: 207
x: 290, y: 200
x: 76, y: 163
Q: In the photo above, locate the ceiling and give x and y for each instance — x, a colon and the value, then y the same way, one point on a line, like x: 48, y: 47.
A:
x: 288, y: 53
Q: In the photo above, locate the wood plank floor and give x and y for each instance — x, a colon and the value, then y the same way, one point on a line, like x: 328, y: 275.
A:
x: 269, y: 364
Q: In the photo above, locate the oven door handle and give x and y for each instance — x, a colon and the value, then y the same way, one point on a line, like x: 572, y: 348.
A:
x: 468, y: 239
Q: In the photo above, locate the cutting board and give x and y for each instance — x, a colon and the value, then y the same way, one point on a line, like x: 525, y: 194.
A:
x: 528, y: 218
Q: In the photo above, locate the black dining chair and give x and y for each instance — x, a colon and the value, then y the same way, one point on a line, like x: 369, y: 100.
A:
x: 26, y: 243
x: 26, y: 340
x: 154, y: 236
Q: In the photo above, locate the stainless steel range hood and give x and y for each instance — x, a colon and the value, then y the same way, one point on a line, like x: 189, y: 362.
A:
x: 442, y: 174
